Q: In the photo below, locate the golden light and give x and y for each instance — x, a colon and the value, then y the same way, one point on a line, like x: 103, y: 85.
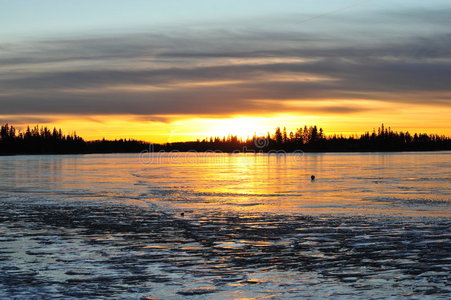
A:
x: 178, y: 128
x: 243, y: 127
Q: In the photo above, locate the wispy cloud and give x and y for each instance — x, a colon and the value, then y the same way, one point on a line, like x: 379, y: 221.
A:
x: 219, y: 72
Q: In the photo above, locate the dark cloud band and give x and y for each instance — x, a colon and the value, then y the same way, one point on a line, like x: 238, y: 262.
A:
x: 222, y: 72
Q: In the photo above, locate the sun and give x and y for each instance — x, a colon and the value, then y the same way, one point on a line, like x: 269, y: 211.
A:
x: 242, y: 127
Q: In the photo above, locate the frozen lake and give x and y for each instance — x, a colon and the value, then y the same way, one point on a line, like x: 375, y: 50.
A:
x: 348, y: 183
x: 372, y: 225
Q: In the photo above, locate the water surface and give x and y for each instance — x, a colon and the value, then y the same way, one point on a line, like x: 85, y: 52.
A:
x: 371, y: 225
x: 350, y: 183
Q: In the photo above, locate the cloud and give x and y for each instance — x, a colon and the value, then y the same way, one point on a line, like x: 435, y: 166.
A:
x: 20, y: 120
x: 220, y: 72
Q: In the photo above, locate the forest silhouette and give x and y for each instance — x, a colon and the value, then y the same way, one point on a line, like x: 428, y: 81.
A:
x: 42, y: 140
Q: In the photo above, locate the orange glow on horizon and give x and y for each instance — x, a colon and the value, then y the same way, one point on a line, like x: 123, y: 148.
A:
x: 176, y: 128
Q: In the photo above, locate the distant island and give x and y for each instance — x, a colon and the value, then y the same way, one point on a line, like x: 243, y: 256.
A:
x: 42, y: 140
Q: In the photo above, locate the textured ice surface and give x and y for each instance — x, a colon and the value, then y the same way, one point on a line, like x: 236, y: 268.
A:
x: 371, y: 226
x: 101, y: 251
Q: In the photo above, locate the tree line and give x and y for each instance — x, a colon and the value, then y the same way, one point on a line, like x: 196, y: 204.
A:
x: 313, y: 139
x: 42, y: 140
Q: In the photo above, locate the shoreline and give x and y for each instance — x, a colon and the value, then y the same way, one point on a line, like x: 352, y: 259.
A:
x: 274, y: 152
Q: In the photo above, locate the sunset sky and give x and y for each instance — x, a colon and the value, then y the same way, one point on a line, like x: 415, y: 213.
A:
x: 167, y: 71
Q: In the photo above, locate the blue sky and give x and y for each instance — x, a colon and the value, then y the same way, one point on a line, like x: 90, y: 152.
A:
x: 42, y: 18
